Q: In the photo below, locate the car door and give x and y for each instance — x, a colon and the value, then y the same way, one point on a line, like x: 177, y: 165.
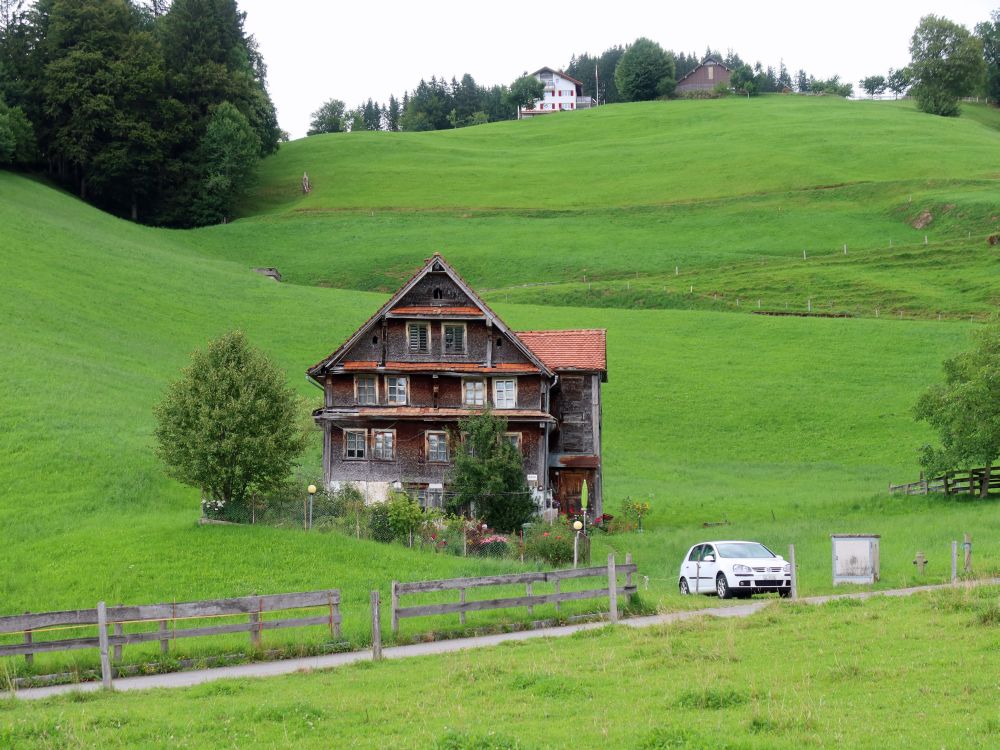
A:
x: 689, y: 566
x: 709, y: 567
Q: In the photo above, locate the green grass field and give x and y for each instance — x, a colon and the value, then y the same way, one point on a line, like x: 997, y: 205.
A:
x: 789, y: 429
x: 793, y: 676
x: 650, y: 190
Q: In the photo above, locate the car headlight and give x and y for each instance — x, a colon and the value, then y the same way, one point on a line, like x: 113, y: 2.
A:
x: 788, y: 568
x: 742, y: 569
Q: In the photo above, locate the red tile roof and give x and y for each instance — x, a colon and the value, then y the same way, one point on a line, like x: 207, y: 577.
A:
x: 473, y: 367
x: 437, y: 311
x: 569, y: 350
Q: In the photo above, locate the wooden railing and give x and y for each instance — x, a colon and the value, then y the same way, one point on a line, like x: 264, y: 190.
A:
x: 611, y: 590
x: 171, y: 621
x: 953, y: 483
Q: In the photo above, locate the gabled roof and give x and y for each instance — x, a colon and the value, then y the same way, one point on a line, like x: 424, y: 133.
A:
x: 702, y: 65
x: 434, y: 264
x: 567, y: 76
x: 583, y: 350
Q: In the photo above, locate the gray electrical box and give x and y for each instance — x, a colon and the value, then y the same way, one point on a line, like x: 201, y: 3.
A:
x: 855, y: 558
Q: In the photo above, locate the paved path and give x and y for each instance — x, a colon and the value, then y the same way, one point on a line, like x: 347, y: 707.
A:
x: 306, y: 664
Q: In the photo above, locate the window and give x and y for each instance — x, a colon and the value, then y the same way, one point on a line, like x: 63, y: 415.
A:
x: 514, y: 438
x: 454, y: 338
x: 385, y: 445
x: 432, y: 497
x: 419, y: 336
x: 695, y: 555
x: 474, y: 392
x: 504, y: 393
x: 437, y: 447
x: 395, y: 389
x: 711, y: 73
x: 355, y: 442
x: 366, y: 389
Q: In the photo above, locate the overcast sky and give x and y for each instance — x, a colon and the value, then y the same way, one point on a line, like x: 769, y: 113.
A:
x: 318, y: 50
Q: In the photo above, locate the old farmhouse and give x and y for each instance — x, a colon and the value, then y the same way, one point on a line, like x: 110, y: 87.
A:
x: 705, y: 77
x: 436, y: 353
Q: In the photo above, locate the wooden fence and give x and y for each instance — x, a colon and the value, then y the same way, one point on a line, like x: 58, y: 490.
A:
x: 952, y: 483
x: 170, y: 619
x: 611, y: 589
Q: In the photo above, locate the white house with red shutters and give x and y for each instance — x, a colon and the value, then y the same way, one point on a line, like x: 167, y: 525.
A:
x: 562, y: 93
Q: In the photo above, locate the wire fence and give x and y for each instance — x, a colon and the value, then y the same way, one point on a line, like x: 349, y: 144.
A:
x: 680, y: 287
x: 402, y: 521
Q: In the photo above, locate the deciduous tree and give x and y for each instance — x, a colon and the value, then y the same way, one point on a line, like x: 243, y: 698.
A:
x: 230, y: 425
x: 947, y: 65
x: 965, y: 409
x: 524, y: 92
x: 329, y: 118
x: 488, y: 474
x: 989, y: 33
x: 227, y: 160
x: 873, y: 85
x: 645, y: 72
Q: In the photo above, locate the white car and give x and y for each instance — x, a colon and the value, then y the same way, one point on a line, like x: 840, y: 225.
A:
x: 734, y: 568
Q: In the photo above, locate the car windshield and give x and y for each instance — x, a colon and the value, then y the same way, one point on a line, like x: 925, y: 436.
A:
x: 743, y: 549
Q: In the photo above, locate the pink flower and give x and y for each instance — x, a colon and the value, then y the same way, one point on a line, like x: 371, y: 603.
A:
x: 545, y: 534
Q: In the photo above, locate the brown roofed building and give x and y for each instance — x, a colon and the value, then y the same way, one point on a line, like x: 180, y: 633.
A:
x: 705, y: 77
x: 435, y: 353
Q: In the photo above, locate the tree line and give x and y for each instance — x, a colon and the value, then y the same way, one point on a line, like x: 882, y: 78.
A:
x: 638, y: 71
x: 948, y: 62
x: 154, y: 110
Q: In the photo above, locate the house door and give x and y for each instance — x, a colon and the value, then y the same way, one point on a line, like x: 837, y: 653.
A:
x: 570, y: 487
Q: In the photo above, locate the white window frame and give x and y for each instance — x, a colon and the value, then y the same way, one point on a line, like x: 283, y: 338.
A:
x: 364, y: 444
x: 444, y: 339
x: 395, y: 401
x: 357, y: 389
x: 513, y: 394
x: 409, y: 346
x: 470, y: 381
x: 376, y: 434
x: 443, y: 437
x: 517, y: 442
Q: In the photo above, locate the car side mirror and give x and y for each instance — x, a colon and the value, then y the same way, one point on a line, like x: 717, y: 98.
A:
x: 709, y: 558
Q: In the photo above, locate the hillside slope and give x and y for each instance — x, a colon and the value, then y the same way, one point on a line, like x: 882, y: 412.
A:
x: 733, y: 192
x: 711, y: 414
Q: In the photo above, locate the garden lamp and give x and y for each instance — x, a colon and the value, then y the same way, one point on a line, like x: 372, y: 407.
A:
x: 311, y: 489
x: 576, y: 542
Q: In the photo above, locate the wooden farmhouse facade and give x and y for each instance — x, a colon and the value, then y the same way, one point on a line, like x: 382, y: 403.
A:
x: 435, y: 353
x: 705, y: 77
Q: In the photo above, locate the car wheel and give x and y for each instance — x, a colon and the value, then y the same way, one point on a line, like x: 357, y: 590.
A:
x: 683, y: 586
x: 784, y: 593
x: 722, y: 587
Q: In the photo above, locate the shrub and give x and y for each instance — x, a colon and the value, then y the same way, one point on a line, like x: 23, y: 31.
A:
x: 550, y: 544
x: 379, y: 524
x: 405, y: 516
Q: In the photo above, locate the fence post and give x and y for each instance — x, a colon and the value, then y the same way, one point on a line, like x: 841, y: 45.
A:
x: 628, y: 578
x: 164, y: 639
x: 119, y: 630
x: 795, y: 573
x: 29, y: 658
x: 557, y: 591
x: 376, y: 628
x: 461, y: 599
x: 394, y: 601
x: 954, y: 561
x: 612, y: 588
x: 255, y: 630
x: 102, y: 639
x: 527, y: 590
x: 967, y: 546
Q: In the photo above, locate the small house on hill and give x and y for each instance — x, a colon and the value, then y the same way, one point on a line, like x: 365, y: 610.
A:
x: 562, y: 93
x: 435, y: 353
x: 705, y: 77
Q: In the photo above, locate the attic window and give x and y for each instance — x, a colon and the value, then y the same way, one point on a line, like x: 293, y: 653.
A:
x: 499, y: 342
x: 375, y: 340
x: 438, y: 294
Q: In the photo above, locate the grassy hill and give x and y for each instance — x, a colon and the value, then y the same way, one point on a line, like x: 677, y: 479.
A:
x: 713, y: 415
x: 725, y: 195
x: 789, y: 429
